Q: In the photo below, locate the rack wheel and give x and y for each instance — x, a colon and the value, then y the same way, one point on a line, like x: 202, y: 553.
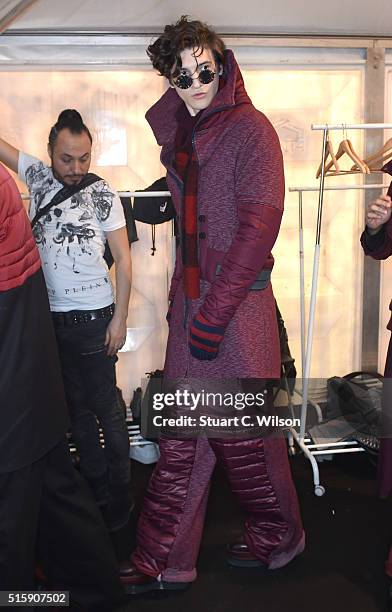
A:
x: 319, y: 490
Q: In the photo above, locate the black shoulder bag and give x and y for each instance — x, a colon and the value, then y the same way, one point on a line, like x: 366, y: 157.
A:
x: 65, y: 193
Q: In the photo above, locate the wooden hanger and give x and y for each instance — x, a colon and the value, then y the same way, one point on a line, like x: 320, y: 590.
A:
x: 377, y: 160
x: 328, y: 152
x: 362, y: 165
x: 377, y: 167
x: 382, y: 154
x: 345, y: 147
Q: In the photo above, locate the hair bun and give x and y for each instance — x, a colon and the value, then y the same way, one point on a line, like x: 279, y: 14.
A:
x: 68, y: 119
x: 69, y: 115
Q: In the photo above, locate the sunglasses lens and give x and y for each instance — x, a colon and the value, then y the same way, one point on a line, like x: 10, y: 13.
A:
x: 183, y: 81
x: 206, y: 76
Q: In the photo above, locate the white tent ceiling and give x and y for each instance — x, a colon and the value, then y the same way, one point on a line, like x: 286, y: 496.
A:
x: 320, y: 17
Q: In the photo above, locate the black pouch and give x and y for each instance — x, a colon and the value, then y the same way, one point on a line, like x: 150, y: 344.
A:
x: 154, y: 210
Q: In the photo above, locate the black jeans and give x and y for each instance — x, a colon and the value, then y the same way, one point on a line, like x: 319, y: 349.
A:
x: 90, y: 386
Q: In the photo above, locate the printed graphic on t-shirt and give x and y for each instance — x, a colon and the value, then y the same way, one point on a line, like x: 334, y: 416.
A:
x: 101, y: 198
x: 41, y: 182
x: 92, y: 203
x: 71, y: 236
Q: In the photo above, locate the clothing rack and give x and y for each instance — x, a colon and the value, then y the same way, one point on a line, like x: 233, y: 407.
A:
x: 144, y: 194
x: 304, y: 443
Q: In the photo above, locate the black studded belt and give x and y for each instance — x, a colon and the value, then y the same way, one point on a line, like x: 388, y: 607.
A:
x: 80, y: 317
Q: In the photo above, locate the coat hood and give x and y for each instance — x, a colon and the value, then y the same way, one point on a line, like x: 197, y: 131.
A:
x: 162, y: 116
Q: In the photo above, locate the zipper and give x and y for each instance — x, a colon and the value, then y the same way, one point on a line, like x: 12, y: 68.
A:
x: 175, y: 176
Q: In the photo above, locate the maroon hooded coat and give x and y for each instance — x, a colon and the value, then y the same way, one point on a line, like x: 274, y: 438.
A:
x: 240, y: 205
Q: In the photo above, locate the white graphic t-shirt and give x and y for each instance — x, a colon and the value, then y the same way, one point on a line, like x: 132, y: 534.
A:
x: 71, y: 237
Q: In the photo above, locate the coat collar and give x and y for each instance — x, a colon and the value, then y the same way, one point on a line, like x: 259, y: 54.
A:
x: 162, y: 115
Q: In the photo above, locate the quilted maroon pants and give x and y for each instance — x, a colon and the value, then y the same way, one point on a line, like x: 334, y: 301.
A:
x: 171, y: 523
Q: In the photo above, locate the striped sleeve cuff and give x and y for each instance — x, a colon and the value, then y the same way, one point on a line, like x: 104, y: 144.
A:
x: 204, y: 338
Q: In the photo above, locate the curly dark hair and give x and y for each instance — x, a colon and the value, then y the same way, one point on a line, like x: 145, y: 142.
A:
x: 68, y: 119
x: 165, y: 52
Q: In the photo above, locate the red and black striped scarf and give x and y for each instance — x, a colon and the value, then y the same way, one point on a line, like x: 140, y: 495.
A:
x: 188, y: 169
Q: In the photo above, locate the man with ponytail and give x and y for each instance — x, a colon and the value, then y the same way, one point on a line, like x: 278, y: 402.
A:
x: 73, y: 213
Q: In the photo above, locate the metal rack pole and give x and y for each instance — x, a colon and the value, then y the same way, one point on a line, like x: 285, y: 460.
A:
x: 302, y: 281
x: 316, y: 261
x: 130, y: 194
x: 353, y: 126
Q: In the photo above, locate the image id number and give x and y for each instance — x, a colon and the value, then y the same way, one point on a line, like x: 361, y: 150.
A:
x: 34, y: 598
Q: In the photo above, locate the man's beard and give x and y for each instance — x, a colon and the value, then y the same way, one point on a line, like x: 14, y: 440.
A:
x: 65, y: 180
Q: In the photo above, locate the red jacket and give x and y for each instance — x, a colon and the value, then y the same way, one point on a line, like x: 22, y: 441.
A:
x: 33, y: 413
x: 240, y: 205
x: 19, y: 256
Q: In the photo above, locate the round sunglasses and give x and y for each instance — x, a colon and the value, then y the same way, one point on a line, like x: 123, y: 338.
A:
x: 185, y: 81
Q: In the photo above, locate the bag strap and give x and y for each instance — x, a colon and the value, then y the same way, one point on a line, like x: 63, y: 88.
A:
x: 65, y: 193
x: 362, y: 373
